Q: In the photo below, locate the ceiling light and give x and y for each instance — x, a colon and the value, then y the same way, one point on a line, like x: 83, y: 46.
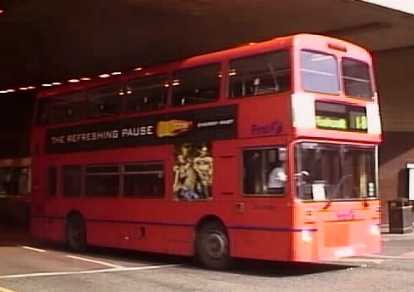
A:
x: 116, y: 73
x: 104, y: 76
x: 138, y: 69
x: 85, y: 79
x: 46, y: 84
x: 73, y: 80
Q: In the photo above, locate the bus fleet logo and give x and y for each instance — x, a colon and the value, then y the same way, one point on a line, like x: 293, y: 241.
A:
x: 272, y: 128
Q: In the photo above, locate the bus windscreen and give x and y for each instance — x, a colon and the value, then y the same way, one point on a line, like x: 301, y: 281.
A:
x: 334, y: 172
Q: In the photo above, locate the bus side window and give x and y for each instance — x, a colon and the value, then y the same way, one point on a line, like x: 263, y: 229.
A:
x: 67, y: 108
x: 259, y: 74
x: 42, y: 112
x: 144, y: 180
x: 52, y: 181
x: 264, y: 171
x: 72, y: 180
x: 196, y: 85
x: 102, y: 180
x: 105, y: 100
x: 146, y: 94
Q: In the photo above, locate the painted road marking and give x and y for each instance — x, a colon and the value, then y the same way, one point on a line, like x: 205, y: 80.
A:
x: 33, y: 249
x: 95, y: 261
x: 408, y: 255
x: 361, y: 260
x: 5, y: 290
x: 113, y: 270
x: 387, y: 257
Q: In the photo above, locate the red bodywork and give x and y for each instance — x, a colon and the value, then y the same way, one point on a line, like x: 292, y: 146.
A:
x: 262, y: 227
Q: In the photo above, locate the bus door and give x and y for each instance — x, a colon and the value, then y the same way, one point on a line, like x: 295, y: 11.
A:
x: 262, y: 208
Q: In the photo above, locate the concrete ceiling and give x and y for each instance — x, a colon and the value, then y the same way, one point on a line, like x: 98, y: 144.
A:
x: 50, y: 40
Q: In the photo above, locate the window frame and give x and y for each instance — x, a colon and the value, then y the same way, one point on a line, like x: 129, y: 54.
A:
x: 171, y: 98
x: 286, y: 168
x: 350, y: 146
x: 121, y: 174
x: 289, y: 53
x: 338, y: 71
x: 91, y: 93
x: 101, y: 174
x: 125, y: 173
x: 168, y: 91
x: 370, y: 75
x: 55, y: 187
x: 81, y: 181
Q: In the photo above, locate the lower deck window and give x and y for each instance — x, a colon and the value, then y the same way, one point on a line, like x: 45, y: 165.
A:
x: 143, y: 180
x: 52, y: 181
x: 140, y: 179
x: 264, y: 171
x: 102, y: 181
x: 72, y: 180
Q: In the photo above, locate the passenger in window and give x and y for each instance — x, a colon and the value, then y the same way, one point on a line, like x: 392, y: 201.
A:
x: 276, y: 178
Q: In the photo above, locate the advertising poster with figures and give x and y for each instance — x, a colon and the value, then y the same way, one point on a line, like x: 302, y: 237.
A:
x: 193, y: 171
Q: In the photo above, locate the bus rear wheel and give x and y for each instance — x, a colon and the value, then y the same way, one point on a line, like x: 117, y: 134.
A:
x: 212, y: 246
x: 76, y: 233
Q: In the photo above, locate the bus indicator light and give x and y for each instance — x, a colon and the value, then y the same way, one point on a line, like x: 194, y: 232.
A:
x: 374, y: 230
x: 337, y: 47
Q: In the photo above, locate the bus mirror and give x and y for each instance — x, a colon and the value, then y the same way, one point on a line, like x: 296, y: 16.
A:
x: 302, y: 173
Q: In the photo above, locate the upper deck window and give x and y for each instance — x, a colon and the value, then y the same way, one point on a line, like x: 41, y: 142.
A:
x: 356, y: 78
x: 196, y: 85
x: 319, y: 72
x: 66, y: 108
x: 105, y: 100
x: 146, y: 94
x: 259, y: 74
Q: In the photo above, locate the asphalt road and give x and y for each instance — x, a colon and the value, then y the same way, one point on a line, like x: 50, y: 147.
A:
x: 29, y: 266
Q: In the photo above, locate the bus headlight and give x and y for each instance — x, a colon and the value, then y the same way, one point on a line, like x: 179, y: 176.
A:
x: 306, y: 236
x: 374, y: 230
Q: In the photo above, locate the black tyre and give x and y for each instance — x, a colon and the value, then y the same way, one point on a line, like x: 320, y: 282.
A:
x: 76, y: 233
x: 212, y: 246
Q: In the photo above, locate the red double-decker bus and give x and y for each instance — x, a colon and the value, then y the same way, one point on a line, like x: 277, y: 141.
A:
x: 265, y: 151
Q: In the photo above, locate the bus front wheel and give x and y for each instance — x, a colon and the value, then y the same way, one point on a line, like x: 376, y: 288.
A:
x: 76, y: 233
x: 212, y: 246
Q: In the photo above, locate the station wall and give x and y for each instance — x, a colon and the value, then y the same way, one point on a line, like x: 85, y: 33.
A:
x: 395, y: 71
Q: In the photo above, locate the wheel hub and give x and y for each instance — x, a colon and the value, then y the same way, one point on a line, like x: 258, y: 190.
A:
x: 216, y: 245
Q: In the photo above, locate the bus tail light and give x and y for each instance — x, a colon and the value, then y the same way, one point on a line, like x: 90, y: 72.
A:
x: 374, y: 121
x: 303, y: 111
x: 374, y: 230
x: 306, y: 236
